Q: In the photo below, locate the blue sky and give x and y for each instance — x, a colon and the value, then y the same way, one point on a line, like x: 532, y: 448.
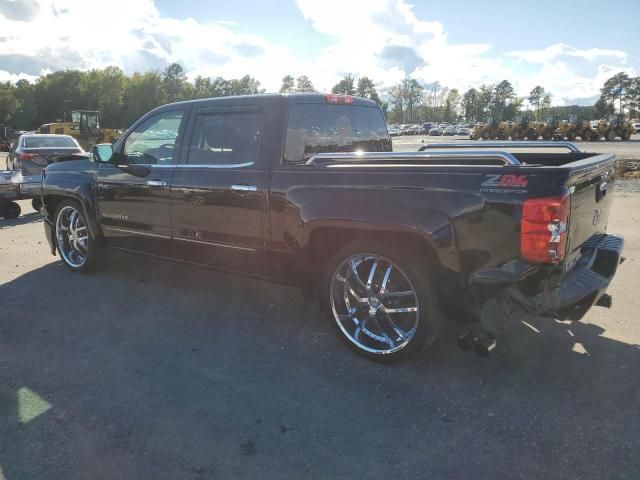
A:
x: 570, y: 48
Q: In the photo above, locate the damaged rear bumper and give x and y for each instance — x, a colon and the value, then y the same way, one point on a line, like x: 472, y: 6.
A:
x: 580, y: 288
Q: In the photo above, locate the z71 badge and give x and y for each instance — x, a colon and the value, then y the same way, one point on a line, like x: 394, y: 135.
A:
x: 505, y: 184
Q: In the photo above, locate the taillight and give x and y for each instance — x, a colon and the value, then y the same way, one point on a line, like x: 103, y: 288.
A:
x: 25, y: 156
x: 543, y: 231
x: 335, y: 98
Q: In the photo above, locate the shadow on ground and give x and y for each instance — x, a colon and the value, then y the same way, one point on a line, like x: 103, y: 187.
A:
x: 158, y: 370
x: 21, y: 220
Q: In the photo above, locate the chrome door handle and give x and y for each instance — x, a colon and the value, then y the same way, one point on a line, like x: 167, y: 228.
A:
x: 156, y: 183
x: 244, y: 188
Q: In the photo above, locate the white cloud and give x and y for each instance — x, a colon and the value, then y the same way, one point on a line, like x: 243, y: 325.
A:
x: 553, y: 52
x: 383, y: 39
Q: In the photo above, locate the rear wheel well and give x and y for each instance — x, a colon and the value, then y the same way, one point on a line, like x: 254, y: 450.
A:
x: 325, y: 241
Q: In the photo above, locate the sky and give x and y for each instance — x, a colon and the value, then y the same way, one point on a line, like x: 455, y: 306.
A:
x: 569, y: 48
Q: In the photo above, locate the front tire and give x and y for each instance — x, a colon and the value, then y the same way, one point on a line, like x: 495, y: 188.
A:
x: 381, y: 301
x: 77, y: 249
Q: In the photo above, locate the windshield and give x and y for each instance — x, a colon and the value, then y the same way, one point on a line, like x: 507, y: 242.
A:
x: 49, y: 142
x: 319, y: 128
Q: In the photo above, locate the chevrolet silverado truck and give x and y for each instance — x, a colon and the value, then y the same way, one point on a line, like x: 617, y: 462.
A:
x: 305, y: 189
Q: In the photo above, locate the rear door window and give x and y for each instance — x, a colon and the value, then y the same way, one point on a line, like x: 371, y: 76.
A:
x: 322, y: 128
x: 225, y: 139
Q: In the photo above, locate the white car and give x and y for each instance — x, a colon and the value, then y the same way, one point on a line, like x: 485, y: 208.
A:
x: 636, y: 127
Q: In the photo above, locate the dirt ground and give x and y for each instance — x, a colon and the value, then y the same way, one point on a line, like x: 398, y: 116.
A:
x: 155, y: 370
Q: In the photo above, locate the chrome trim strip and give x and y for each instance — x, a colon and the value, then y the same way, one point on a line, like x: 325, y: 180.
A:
x: 134, y: 232
x: 189, y: 166
x: 484, y: 144
x: 190, y: 240
x: 214, y: 244
x: 326, y: 158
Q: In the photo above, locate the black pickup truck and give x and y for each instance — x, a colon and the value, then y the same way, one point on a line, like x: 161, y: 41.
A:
x: 305, y: 189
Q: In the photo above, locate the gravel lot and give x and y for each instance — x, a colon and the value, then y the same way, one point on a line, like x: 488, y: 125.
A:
x: 155, y: 370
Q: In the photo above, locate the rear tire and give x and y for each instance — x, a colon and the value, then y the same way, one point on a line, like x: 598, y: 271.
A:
x: 11, y: 210
x: 387, y: 315
x: 78, y: 250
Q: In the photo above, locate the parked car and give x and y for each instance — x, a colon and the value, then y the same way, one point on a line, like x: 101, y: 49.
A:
x: 31, y: 153
x: 636, y: 127
x: 462, y: 131
x: 435, y: 132
x: 394, y: 132
x: 449, y: 130
x: 383, y: 239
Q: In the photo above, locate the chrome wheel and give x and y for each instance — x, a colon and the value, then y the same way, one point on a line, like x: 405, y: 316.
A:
x: 72, y: 236
x: 374, y: 303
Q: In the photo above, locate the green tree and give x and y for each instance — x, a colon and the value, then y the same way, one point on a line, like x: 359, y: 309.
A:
x: 288, y: 84
x: 503, y: 94
x: 452, y: 106
x: 367, y: 89
x: 535, y: 98
x: 346, y: 86
x: 143, y: 92
x: 8, y: 101
x: 615, y: 89
x: 246, y: 85
x: 173, y: 80
x: 471, y: 105
x: 485, y: 100
x: 303, y: 84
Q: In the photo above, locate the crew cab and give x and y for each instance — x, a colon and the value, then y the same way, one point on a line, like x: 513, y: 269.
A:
x: 305, y: 189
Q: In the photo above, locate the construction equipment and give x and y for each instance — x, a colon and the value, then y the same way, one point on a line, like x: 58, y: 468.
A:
x: 523, y: 129
x: 574, y: 127
x: 504, y: 130
x: 84, y: 126
x: 7, y: 135
x: 547, y: 128
x: 613, y: 126
x: 486, y: 131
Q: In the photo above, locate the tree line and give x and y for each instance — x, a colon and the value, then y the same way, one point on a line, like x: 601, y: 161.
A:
x: 122, y: 98
x: 411, y: 101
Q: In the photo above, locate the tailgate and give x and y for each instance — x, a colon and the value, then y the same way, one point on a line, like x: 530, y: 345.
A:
x: 591, y: 184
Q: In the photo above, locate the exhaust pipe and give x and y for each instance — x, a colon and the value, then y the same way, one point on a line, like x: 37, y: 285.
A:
x: 482, y: 346
x: 466, y: 341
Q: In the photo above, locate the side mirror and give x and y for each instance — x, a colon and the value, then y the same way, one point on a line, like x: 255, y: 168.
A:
x: 103, y: 152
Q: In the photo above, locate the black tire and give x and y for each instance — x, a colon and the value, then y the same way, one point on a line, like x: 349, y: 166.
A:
x: 416, y: 268
x: 93, y: 249
x: 36, y: 203
x: 11, y: 210
x: 611, y: 136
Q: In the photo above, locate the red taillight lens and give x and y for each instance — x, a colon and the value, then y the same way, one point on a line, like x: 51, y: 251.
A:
x: 335, y: 98
x: 543, y: 231
x: 25, y: 156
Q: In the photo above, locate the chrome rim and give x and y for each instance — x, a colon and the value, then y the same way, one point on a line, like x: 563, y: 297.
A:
x: 72, y: 236
x: 374, y: 303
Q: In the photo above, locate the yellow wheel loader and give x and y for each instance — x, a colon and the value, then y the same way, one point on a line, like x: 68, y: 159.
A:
x: 84, y: 126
